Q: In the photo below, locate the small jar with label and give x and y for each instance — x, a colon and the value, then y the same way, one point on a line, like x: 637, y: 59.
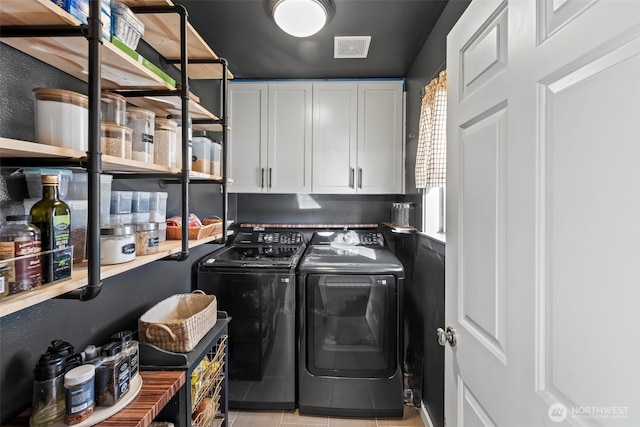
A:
x: 113, y: 376
x: 79, y: 394
x: 117, y: 245
x: 4, y: 280
x: 147, y: 238
x: 129, y: 347
x: 20, y: 239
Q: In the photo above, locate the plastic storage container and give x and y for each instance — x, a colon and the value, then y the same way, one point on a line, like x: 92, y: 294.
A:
x: 147, y: 238
x: 142, y: 123
x: 78, y: 186
x: 62, y: 118
x: 34, y: 181
x: 162, y: 231
x: 201, y: 156
x: 140, y: 201
x: 113, y: 108
x: 158, y: 206
x: 165, y: 142
x: 79, y: 393
x: 216, y: 151
x: 178, y: 147
x: 105, y: 199
x: 116, y: 140
x: 125, y: 25
x: 139, y: 217
x: 117, y: 245
x: 121, y: 202
x: 79, y: 210
x: 120, y: 219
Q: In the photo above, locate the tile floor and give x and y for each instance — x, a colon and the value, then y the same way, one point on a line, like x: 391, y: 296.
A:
x: 411, y: 418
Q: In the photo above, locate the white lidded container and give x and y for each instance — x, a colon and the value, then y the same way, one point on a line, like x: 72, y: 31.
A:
x: 105, y: 199
x: 121, y: 201
x: 200, y: 157
x: 33, y: 176
x: 142, y: 122
x: 62, y: 118
x: 113, y: 108
x: 158, y: 206
x: 165, y: 142
x: 117, y: 244
x: 216, y: 151
x: 115, y: 140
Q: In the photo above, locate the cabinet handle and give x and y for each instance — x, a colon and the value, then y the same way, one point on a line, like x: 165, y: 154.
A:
x: 360, y: 178
x: 269, y: 177
x: 262, y: 178
x: 351, y: 177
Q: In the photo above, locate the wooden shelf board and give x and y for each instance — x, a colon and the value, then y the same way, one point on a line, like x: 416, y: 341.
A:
x: 25, y: 149
x: 79, y: 276
x: 162, y: 32
x: 171, y: 105
x: 70, y: 54
x: 13, y: 148
x: 34, y: 12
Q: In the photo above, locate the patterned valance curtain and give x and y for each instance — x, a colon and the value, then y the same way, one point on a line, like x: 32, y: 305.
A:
x: 431, y: 160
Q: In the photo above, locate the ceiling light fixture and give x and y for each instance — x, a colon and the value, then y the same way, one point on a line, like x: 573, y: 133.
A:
x: 301, y: 18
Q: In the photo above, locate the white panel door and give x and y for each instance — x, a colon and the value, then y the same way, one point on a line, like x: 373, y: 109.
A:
x: 335, y: 130
x: 289, y: 138
x: 248, y: 136
x: 380, y: 163
x: 543, y: 206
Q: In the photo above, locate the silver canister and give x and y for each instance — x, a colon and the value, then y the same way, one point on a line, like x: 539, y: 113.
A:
x: 402, y: 214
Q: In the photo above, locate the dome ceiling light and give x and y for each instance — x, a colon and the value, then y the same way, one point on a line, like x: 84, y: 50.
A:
x: 301, y: 18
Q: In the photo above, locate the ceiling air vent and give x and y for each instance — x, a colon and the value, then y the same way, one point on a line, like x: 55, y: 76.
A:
x: 351, y: 46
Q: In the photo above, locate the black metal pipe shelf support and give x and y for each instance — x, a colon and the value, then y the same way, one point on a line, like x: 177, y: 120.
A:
x: 44, y: 31
x: 94, y: 160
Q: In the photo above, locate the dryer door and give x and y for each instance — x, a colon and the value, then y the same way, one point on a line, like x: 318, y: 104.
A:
x: 351, y: 325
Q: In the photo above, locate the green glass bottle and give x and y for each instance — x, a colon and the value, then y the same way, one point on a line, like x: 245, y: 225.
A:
x: 53, y: 217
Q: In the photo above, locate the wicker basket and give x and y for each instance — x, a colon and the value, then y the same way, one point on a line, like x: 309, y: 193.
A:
x: 210, y: 226
x: 179, y: 322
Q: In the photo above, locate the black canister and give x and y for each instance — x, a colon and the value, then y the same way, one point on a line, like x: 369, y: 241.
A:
x: 48, y: 406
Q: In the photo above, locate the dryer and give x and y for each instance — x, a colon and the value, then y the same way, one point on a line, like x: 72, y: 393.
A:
x: 350, y: 326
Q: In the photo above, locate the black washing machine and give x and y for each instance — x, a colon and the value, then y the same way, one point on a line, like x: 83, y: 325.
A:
x: 253, y: 279
x: 350, y: 326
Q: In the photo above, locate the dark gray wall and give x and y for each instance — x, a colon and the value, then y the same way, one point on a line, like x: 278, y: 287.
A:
x: 423, y: 257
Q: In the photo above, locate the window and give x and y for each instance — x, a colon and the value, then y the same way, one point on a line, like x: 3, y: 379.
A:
x: 431, y: 158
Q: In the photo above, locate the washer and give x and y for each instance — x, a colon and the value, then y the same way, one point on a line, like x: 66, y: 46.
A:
x: 253, y: 279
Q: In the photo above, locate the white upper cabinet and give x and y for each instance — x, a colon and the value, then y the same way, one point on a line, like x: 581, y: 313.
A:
x: 358, y: 138
x: 248, y: 136
x: 320, y: 137
x: 270, y: 138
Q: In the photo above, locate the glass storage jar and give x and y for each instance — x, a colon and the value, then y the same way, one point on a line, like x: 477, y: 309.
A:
x: 113, y: 108
x: 142, y: 122
x: 115, y: 140
x: 165, y: 143
x: 147, y: 238
x: 117, y: 245
x: 62, y: 118
x: 20, y: 238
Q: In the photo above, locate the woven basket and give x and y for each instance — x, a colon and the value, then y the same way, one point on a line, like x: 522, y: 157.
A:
x: 179, y: 322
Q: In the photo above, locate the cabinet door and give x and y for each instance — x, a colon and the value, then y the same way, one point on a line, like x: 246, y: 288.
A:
x: 289, y: 138
x: 380, y: 163
x: 247, y: 138
x: 335, y: 117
